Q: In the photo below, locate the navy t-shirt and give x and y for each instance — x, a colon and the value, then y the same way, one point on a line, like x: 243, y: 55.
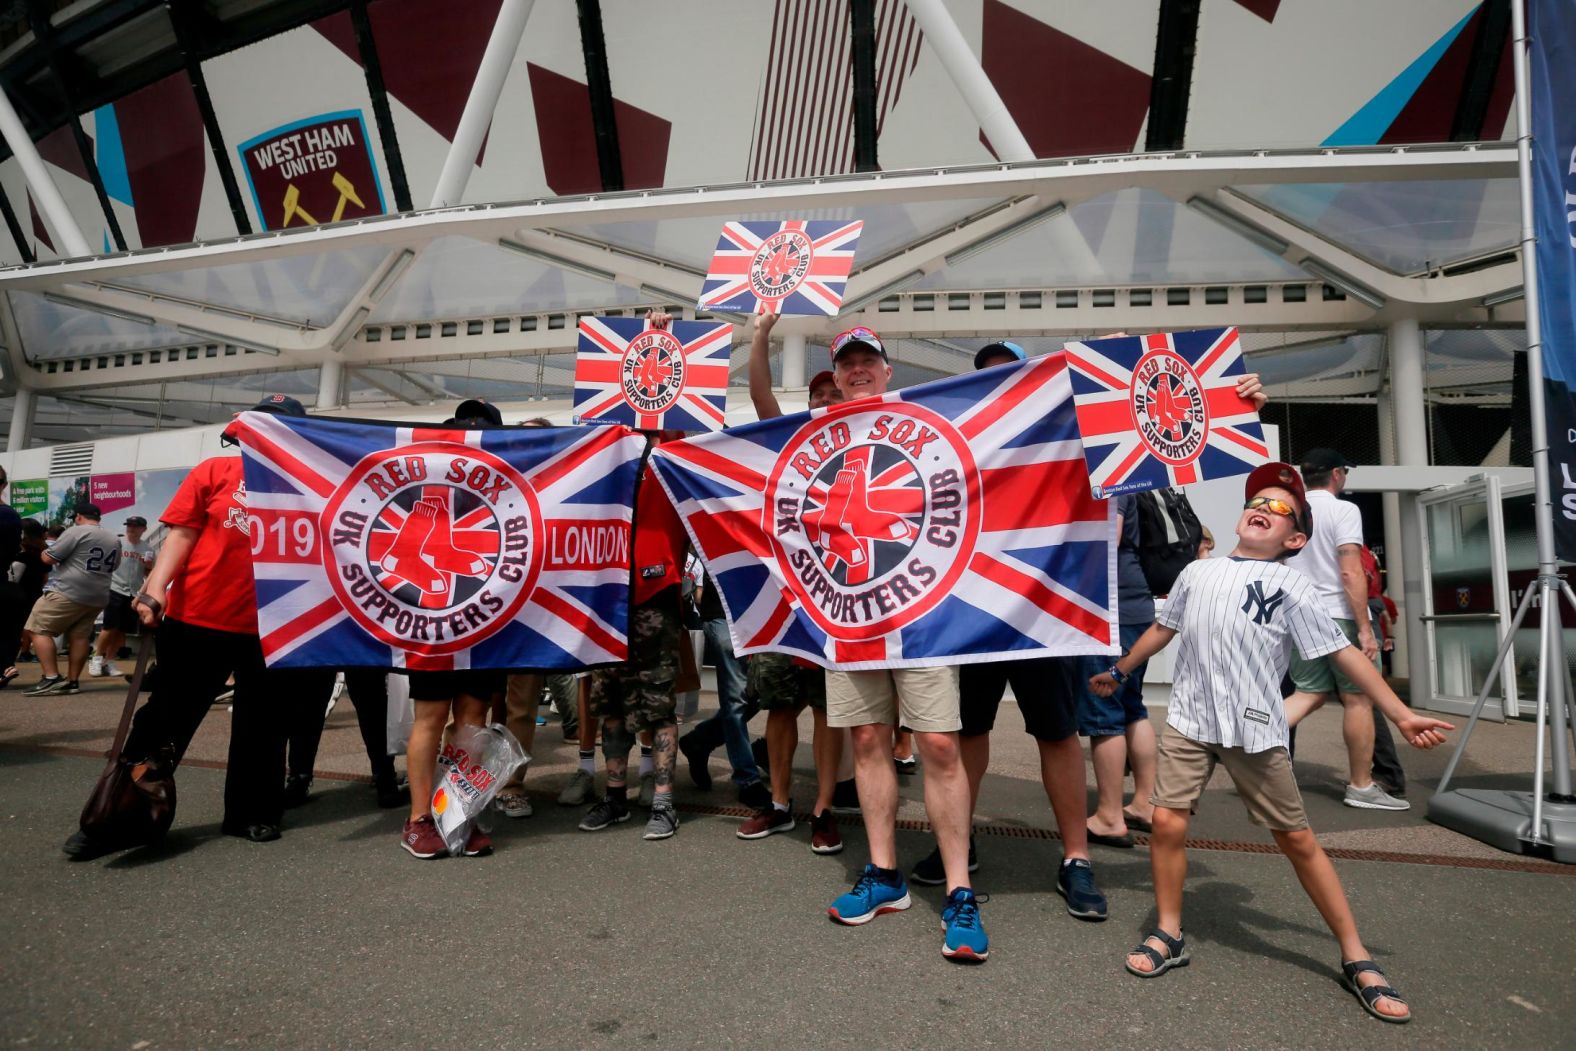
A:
x: 1134, y: 603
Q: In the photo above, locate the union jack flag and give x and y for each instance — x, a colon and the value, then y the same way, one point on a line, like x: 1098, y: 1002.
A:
x: 1162, y: 410
x: 649, y: 378
x: 944, y: 524
x: 799, y: 266
x: 433, y: 548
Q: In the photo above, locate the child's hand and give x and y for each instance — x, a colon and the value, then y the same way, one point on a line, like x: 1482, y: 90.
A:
x: 1102, y: 685
x: 1423, y: 732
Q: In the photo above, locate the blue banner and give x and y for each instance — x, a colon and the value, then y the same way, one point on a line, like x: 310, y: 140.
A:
x: 1552, y: 76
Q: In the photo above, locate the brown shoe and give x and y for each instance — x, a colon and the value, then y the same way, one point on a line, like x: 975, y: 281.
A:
x: 422, y: 839
x: 766, y: 822
x: 824, y: 837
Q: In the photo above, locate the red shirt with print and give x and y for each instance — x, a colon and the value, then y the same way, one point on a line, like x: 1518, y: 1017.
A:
x: 215, y: 590
x: 660, y: 540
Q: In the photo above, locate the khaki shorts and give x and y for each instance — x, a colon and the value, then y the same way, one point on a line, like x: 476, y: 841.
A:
x: 54, y: 614
x: 1264, y: 780
x: 925, y: 698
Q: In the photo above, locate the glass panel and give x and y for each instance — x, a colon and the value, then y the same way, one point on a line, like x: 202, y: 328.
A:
x: 459, y: 277
x: 1460, y: 580
x: 1123, y: 238
x: 52, y: 330
x: 1405, y: 226
x: 308, y: 289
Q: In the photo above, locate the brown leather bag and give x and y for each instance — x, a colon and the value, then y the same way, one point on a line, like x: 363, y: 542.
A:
x: 133, y: 802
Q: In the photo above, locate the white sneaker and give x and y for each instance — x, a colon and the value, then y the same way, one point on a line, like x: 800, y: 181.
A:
x: 96, y: 666
x: 110, y: 669
x: 1373, y: 798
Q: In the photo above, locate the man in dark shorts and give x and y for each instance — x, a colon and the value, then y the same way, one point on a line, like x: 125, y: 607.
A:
x: 136, y: 558
x: 1045, y: 690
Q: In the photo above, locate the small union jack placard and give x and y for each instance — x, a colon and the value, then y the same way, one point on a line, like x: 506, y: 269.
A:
x: 1162, y: 410
x: 798, y: 266
x: 650, y: 378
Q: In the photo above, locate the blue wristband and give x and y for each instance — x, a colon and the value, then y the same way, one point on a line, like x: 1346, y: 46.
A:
x: 1117, y: 673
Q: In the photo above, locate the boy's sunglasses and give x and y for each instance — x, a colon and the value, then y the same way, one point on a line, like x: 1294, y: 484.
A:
x: 1274, y: 505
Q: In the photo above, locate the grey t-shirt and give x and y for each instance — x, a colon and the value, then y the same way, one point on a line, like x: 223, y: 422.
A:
x: 132, y: 570
x: 87, y: 557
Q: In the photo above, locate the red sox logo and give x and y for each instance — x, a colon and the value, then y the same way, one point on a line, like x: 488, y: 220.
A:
x: 433, y: 546
x: 780, y: 264
x: 874, y: 512
x: 652, y: 372
x: 1169, y: 407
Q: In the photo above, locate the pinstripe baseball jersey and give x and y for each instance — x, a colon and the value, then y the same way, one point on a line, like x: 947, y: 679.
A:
x: 1238, y: 620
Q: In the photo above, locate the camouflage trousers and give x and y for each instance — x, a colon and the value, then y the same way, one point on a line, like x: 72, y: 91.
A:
x: 775, y: 681
x: 640, y: 691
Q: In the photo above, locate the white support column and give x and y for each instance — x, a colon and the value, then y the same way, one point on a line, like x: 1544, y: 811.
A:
x: 483, y: 100
x: 1410, y: 414
x: 330, y: 377
x: 794, y: 351
x: 1394, y: 557
x: 21, y: 420
x: 957, y: 58
x: 56, y: 214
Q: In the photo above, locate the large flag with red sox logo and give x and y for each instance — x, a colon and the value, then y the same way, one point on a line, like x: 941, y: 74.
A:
x: 653, y: 378
x: 944, y: 524
x: 799, y: 266
x: 1163, y: 410
x: 432, y: 548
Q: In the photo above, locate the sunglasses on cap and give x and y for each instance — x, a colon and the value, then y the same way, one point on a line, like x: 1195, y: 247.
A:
x: 1273, y: 504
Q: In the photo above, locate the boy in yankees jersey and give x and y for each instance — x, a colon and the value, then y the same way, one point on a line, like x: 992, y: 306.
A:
x: 1239, y: 618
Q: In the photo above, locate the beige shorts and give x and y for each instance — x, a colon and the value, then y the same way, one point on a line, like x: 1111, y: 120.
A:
x: 923, y: 699
x: 1264, y: 780
x: 54, y: 614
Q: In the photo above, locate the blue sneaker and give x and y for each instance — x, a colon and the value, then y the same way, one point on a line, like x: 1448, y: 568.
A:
x: 869, y: 899
x: 1075, y: 882
x: 966, y: 941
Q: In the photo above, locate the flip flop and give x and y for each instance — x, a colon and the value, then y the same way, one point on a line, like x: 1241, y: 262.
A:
x: 6, y: 677
x: 1122, y: 842
x: 1137, y: 824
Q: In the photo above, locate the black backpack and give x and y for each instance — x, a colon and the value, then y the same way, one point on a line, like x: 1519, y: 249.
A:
x: 1168, y: 537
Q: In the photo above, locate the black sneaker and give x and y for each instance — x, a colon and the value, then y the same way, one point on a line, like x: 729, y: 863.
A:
x: 697, y: 759
x: 606, y: 813
x: 845, y: 797
x: 1075, y: 882
x: 392, y: 791
x: 50, y: 684
x: 932, y: 873
x: 298, y: 787
x: 763, y: 761
x: 756, y: 796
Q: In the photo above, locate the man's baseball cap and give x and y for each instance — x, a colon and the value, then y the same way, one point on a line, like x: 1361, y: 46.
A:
x: 824, y: 376
x: 136, y: 520
x: 1323, y: 459
x: 479, y: 411
x: 858, y: 336
x: 90, y: 511
x: 1281, y: 476
x: 280, y: 405
x: 999, y: 347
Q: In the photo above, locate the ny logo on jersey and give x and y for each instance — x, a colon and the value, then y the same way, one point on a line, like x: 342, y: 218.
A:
x: 1258, y: 605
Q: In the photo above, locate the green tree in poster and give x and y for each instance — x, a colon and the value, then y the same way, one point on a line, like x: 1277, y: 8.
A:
x: 75, y: 496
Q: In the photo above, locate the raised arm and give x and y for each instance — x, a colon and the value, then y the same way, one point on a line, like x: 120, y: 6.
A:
x: 761, y: 395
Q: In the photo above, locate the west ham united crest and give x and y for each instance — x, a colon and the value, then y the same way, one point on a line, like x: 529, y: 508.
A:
x: 433, y: 547
x: 874, y: 514
x: 1169, y: 406
x: 780, y: 264
x: 652, y: 372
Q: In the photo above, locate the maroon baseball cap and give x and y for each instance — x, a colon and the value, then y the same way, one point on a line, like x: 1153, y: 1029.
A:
x: 824, y: 376
x: 1281, y: 476
x: 861, y: 336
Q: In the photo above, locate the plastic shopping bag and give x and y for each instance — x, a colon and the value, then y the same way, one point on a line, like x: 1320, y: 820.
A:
x: 472, y: 766
x: 401, y: 714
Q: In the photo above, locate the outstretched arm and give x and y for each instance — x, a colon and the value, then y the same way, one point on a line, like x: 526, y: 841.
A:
x: 1419, y: 730
x: 1151, y: 642
x: 761, y: 395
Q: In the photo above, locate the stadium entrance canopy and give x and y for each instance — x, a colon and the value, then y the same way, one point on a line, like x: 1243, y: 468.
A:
x: 1305, y: 250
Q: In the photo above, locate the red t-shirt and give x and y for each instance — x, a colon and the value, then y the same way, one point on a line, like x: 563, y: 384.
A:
x: 660, y: 540
x: 215, y: 589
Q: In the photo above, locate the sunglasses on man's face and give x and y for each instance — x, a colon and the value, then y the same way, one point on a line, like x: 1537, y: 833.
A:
x: 1273, y: 504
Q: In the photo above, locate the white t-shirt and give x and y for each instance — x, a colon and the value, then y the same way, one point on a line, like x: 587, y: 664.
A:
x: 1335, y: 522
x: 1237, y: 620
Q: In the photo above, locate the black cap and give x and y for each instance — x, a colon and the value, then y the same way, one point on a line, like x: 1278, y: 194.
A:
x: 132, y: 520
x: 478, y: 410
x: 1325, y: 460
x: 280, y: 405
x: 90, y: 511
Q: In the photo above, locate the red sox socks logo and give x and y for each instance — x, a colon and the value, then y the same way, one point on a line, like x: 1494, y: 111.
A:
x: 1169, y: 407
x: 433, y: 547
x: 874, y: 513
x: 780, y: 264
x: 652, y: 372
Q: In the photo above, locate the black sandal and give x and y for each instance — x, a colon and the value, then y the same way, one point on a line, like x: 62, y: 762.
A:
x: 1176, y: 954
x: 1369, y: 995
x: 6, y: 677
